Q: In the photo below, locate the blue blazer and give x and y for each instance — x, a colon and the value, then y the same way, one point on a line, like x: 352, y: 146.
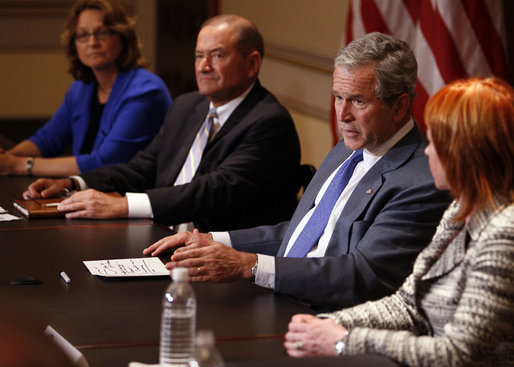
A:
x: 132, y: 116
x: 389, y: 218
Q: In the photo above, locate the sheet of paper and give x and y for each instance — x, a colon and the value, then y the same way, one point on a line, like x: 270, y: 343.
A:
x: 5, y: 217
x: 135, y: 267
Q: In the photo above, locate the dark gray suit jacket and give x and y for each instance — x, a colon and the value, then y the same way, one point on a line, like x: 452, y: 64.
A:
x: 389, y: 218
x: 247, y: 175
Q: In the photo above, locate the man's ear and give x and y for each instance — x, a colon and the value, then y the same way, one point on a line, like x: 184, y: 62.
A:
x: 401, y: 107
x: 254, y: 63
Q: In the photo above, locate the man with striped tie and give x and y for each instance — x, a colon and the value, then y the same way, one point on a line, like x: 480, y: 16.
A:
x: 225, y: 158
x: 368, y: 211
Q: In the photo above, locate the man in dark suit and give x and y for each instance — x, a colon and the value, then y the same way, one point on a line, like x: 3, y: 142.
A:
x: 245, y: 174
x: 362, y: 245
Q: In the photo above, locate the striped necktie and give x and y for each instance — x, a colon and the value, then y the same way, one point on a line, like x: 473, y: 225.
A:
x: 316, y: 224
x: 196, y: 151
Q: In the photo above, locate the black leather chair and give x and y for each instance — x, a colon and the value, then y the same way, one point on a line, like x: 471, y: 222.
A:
x: 305, y: 175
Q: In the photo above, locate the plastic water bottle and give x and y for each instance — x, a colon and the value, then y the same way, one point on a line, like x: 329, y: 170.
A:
x: 178, y: 321
x: 206, y: 354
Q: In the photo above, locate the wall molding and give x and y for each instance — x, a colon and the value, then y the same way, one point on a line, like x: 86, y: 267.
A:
x: 307, y: 68
x: 299, y: 57
x: 291, y: 103
x: 23, y: 9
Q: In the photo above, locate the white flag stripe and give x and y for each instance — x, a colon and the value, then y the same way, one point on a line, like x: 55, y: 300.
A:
x: 463, y: 35
x: 358, y: 25
x: 400, y: 23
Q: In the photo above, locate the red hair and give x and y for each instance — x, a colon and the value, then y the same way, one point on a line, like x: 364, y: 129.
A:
x: 471, y: 123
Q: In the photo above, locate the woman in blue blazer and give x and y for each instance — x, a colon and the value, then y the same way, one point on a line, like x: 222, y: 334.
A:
x: 113, y: 108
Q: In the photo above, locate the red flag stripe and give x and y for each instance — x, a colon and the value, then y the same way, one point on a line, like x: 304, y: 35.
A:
x: 447, y: 58
x: 461, y: 30
x: 490, y: 42
x: 402, y: 27
x: 373, y: 19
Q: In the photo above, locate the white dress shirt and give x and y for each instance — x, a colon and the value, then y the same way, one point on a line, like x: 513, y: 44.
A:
x: 265, y: 275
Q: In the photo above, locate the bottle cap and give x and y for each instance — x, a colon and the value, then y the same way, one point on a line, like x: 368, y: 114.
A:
x: 178, y: 274
x: 204, y: 337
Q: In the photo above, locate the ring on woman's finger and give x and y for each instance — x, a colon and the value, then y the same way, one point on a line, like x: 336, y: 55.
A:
x: 298, y: 345
x: 198, y: 271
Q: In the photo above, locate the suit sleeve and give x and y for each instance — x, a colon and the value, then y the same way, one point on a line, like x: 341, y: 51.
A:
x: 263, y: 240
x: 380, y: 254
x: 137, y: 175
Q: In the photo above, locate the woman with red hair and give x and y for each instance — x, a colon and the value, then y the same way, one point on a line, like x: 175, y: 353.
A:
x: 457, y: 307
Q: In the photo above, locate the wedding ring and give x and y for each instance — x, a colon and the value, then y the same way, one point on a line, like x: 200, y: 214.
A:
x: 198, y: 271
x: 298, y: 345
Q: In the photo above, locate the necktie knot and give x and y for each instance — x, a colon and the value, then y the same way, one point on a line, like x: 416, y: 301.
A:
x: 212, y: 114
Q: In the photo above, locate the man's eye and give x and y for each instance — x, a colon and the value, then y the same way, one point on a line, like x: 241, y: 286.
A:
x: 357, y: 102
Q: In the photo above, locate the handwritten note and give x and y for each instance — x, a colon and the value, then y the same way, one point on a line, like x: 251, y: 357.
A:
x: 135, y: 267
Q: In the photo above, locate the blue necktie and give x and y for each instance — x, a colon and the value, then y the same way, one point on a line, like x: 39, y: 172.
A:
x: 195, y: 153
x: 318, y: 221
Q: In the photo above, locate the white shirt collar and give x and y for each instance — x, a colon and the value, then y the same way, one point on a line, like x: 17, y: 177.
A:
x: 224, y: 111
x: 391, y: 142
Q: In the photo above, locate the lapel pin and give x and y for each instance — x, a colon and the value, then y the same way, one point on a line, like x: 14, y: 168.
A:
x: 369, y: 191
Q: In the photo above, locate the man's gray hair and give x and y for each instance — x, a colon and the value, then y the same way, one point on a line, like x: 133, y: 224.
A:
x: 395, y: 64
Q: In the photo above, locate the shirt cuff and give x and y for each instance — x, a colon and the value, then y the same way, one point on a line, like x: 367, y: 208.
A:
x: 265, y: 276
x: 222, y: 237
x: 139, y: 205
x: 82, y: 184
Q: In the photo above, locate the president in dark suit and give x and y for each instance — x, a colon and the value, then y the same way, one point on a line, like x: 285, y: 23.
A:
x: 346, y: 242
x: 233, y: 167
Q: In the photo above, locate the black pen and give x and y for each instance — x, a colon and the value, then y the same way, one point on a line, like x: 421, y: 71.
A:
x: 65, y: 277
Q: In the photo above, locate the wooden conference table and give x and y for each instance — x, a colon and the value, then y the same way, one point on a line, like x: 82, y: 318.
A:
x: 115, y: 321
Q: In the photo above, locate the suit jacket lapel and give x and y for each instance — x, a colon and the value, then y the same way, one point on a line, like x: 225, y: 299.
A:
x: 255, y: 95
x: 193, y: 122
x: 368, y: 187
x: 452, y: 255
x: 336, y: 156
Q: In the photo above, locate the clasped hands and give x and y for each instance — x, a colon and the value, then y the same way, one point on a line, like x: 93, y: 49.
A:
x: 82, y: 204
x: 206, y: 259
x: 311, y: 336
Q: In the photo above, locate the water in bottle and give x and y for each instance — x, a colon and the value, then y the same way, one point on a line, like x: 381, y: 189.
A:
x: 178, y: 321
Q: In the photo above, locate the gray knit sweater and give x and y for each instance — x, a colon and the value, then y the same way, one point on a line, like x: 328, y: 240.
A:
x: 456, y: 308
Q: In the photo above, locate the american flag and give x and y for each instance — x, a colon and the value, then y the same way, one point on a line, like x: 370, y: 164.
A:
x: 452, y: 39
